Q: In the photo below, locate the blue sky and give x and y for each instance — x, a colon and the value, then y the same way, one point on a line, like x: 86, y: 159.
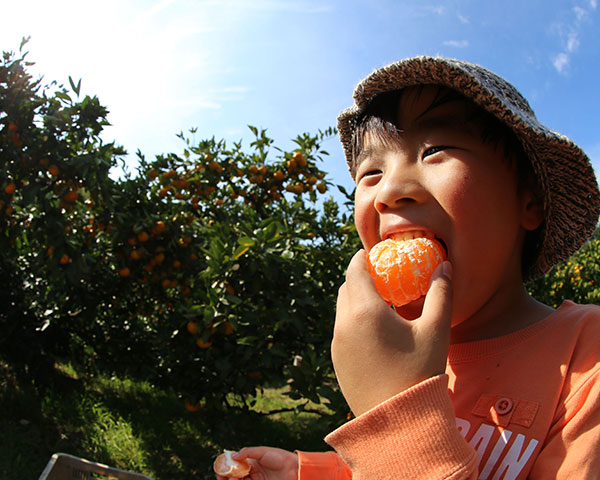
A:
x: 164, y: 66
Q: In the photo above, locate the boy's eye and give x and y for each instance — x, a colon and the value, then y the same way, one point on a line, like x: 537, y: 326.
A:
x: 368, y: 174
x: 371, y: 172
x: 367, y: 171
x: 434, y: 150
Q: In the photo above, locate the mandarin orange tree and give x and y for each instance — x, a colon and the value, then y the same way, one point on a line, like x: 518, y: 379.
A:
x: 54, y: 182
x: 242, y: 262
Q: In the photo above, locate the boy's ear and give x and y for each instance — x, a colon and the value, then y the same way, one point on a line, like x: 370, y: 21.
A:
x: 532, y: 209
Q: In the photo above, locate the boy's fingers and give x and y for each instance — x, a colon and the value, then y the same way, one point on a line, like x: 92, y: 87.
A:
x: 356, y: 265
x: 250, y: 452
x: 359, y: 285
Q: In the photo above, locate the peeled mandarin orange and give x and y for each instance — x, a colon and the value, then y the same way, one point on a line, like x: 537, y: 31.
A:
x: 402, y: 266
x: 226, y: 466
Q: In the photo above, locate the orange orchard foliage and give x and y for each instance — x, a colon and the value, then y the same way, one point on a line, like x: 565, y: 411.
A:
x: 205, y: 271
x: 576, y: 279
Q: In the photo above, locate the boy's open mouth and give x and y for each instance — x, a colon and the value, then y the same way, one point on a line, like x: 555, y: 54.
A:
x: 412, y: 234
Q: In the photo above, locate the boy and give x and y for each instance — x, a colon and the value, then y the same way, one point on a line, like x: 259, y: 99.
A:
x: 477, y: 379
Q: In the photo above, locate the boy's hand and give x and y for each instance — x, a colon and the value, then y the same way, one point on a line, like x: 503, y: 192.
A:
x: 376, y: 353
x: 268, y: 463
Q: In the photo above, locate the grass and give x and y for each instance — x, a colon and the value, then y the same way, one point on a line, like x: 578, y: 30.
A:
x: 134, y: 426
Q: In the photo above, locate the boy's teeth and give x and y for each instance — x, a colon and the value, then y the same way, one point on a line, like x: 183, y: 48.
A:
x: 401, y: 236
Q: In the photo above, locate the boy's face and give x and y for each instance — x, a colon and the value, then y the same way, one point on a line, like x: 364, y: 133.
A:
x: 439, y: 177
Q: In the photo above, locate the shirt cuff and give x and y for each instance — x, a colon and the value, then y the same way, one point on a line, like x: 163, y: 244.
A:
x: 411, y: 435
x: 321, y: 466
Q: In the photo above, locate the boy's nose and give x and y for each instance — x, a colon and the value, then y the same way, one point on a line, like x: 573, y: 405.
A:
x: 399, y: 189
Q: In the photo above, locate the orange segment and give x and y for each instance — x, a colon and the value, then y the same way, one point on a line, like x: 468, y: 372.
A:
x: 226, y: 466
x: 401, y: 269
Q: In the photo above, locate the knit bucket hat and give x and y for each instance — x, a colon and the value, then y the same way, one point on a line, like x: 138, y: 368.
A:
x: 564, y: 172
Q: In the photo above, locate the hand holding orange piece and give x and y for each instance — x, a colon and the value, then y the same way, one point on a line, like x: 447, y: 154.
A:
x: 265, y: 463
x: 376, y: 352
x: 226, y: 466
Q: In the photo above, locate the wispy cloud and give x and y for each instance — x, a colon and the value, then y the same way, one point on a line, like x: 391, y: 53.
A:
x: 560, y: 62
x: 579, y: 12
x: 569, y: 32
x: 456, y: 43
x: 214, y: 98
x: 419, y: 9
x: 437, y: 9
x: 462, y: 19
x: 159, y: 6
x: 305, y: 6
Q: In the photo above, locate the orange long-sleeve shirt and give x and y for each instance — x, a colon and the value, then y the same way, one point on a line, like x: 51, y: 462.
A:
x: 522, y: 406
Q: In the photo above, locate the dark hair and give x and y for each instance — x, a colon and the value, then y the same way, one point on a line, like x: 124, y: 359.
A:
x: 380, y: 120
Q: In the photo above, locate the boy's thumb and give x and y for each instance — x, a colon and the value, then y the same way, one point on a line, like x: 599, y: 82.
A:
x: 437, y: 309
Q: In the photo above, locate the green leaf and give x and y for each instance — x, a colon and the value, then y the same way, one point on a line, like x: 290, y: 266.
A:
x: 272, y: 231
x: 240, y: 251
x: 76, y: 88
x: 246, y: 241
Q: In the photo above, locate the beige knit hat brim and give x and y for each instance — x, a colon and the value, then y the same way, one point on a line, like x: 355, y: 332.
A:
x: 563, y: 170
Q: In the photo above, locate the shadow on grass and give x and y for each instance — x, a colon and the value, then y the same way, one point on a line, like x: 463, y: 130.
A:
x: 134, y: 426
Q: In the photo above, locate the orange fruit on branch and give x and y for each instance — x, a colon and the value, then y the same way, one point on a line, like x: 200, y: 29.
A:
x: 71, y: 196
x: 228, y: 328
x: 192, y: 327
x: 202, y: 344
x: 226, y: 466
x: 299, y: 159
x: 190, y: 407
x: 159, y: 227
x: 402, y: 266
x: 169, y: 174
x: 10, y: 188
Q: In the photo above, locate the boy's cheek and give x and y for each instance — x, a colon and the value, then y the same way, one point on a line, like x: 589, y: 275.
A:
x: 368, y: 230
x: 366, y: 220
